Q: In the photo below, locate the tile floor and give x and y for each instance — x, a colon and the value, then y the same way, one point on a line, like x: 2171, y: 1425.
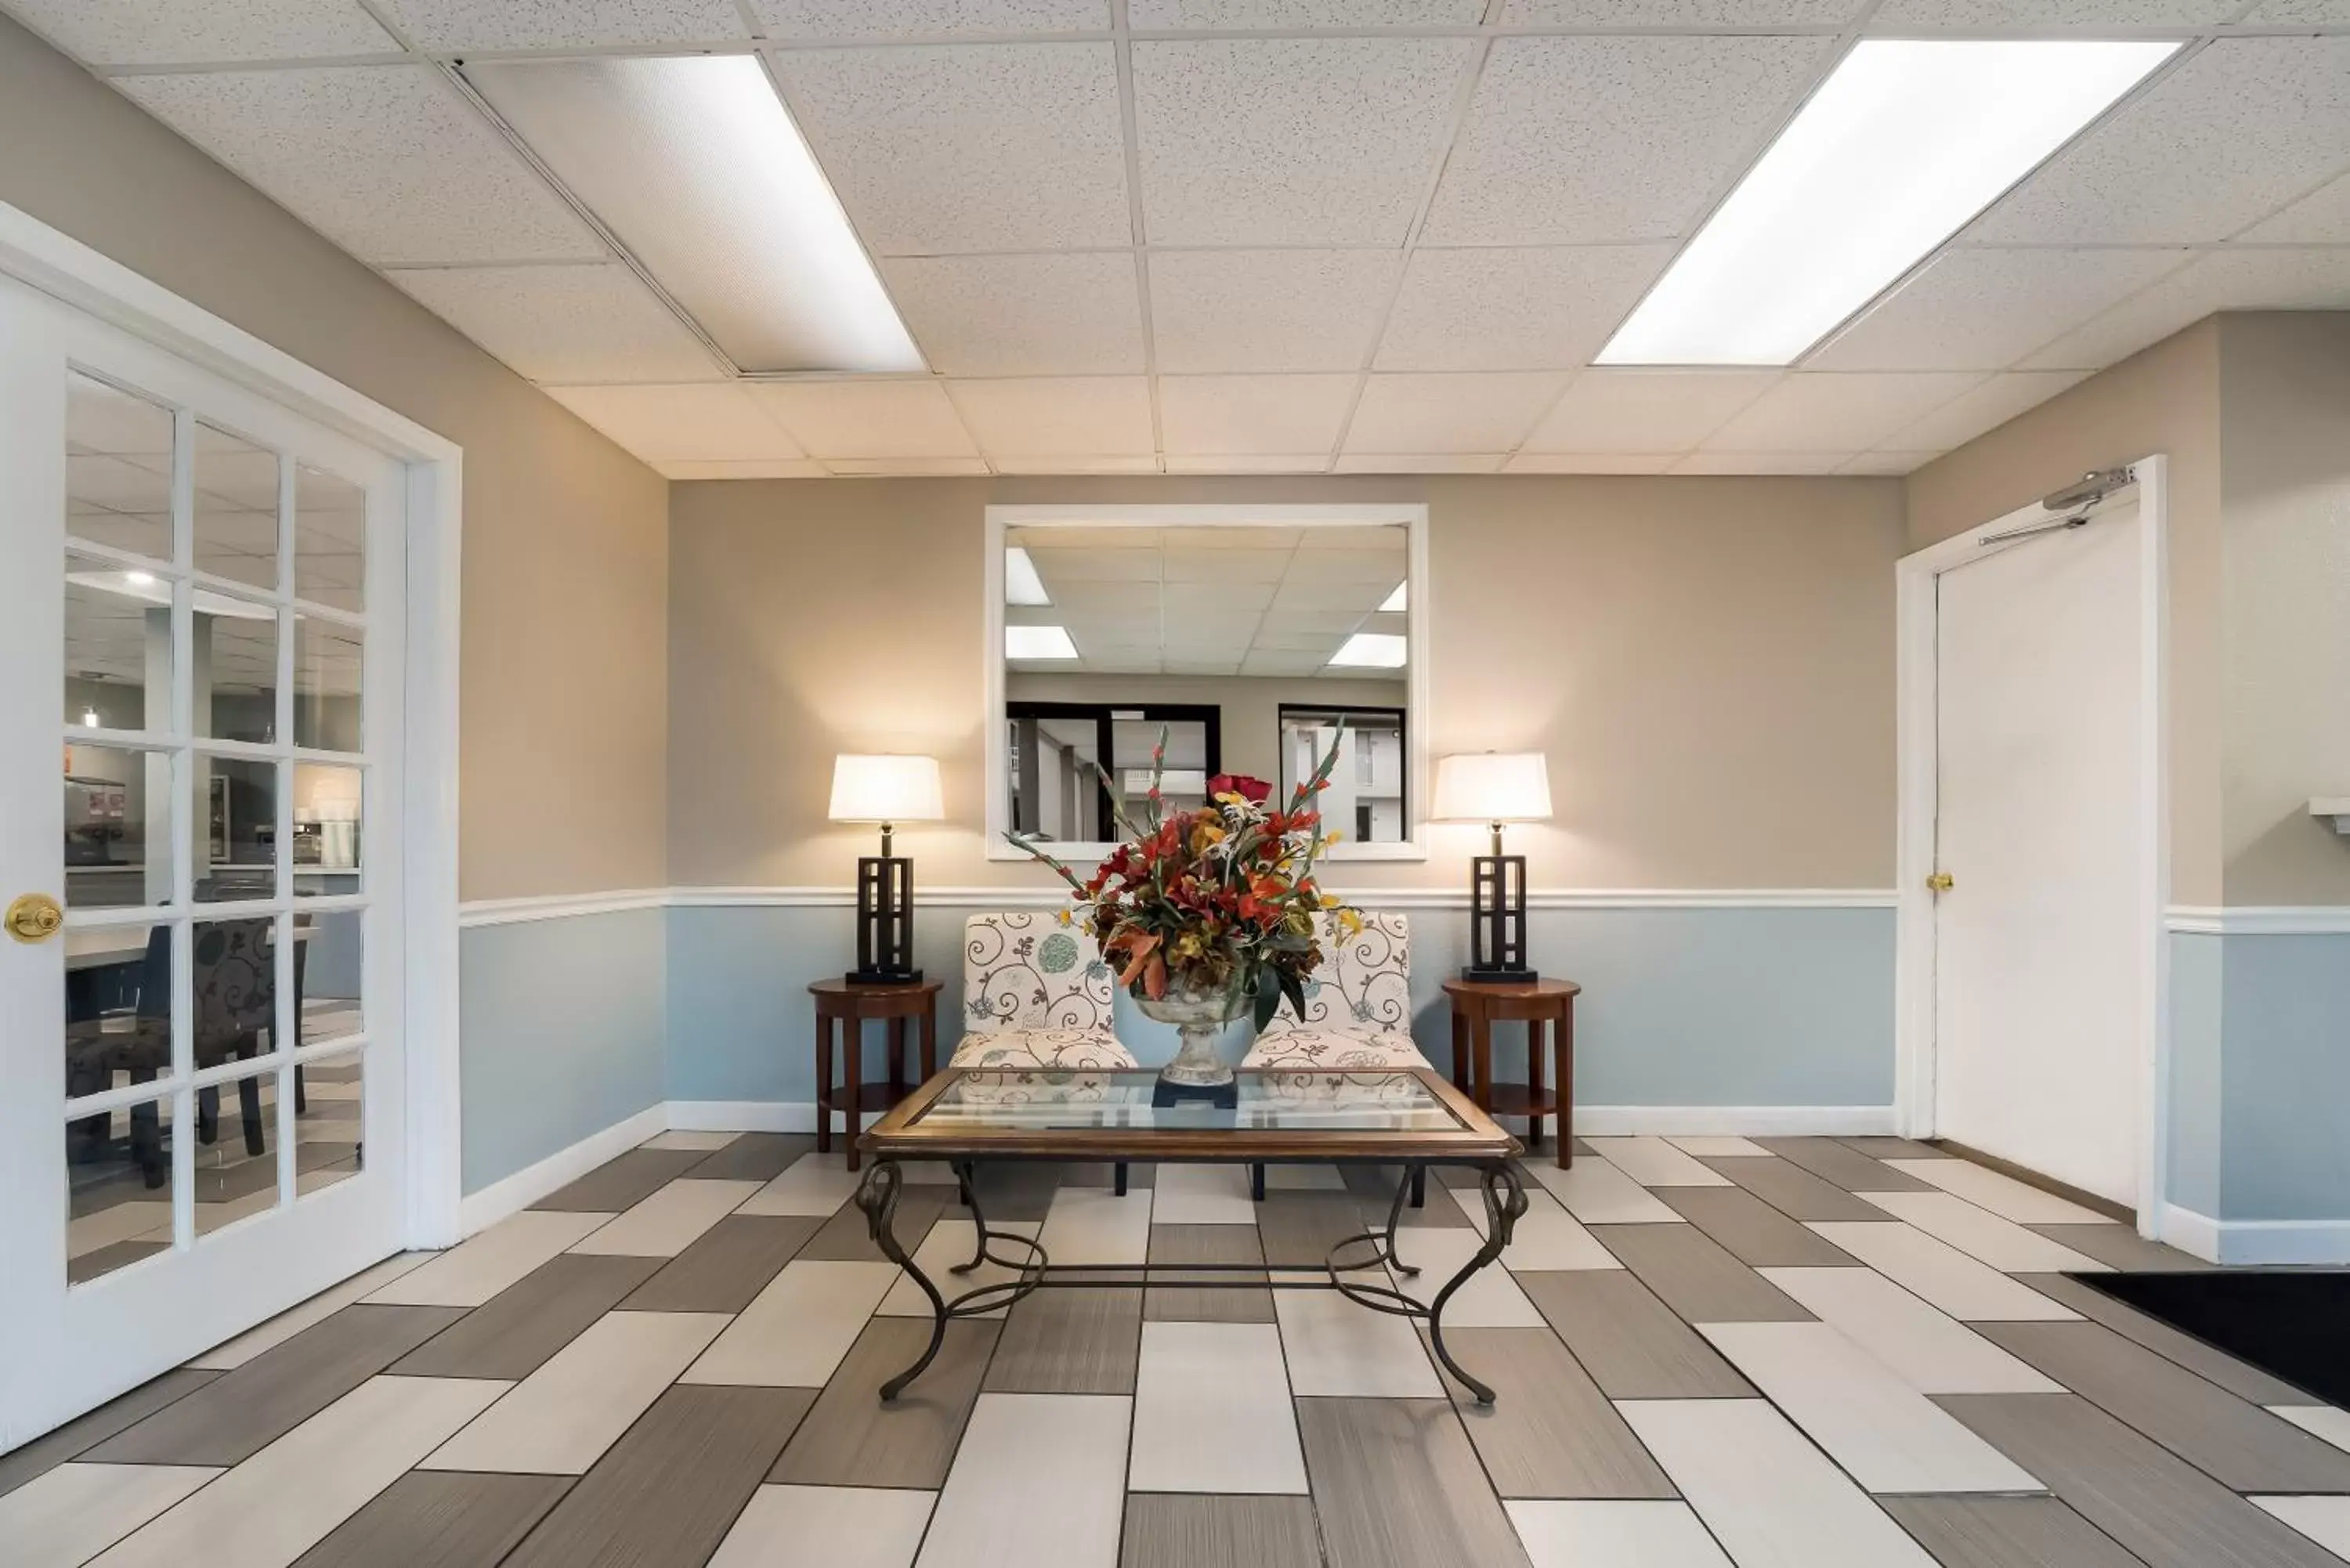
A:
x: 1711, y: 1352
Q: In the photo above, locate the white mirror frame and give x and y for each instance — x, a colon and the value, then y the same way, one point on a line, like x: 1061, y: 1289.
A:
x: 1411, y: 516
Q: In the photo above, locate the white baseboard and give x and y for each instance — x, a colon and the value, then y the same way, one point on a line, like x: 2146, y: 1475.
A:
x: 2256, y: 1241
x: 479, y: 1210
x: 748, y: 1116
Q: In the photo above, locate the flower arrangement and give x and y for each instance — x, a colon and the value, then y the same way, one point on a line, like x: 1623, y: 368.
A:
x: 1216, y: 902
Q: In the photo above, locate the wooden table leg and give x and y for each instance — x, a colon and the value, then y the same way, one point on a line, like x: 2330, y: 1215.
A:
x: 852, y: 1048
x: 1534, y: 1042
x: 1459, y: 1049
x: 1481, y: 1059
x: 897, y: 1048
x: 823, y: 1082
x: 930, y: 1039
x: 1565, y: 1035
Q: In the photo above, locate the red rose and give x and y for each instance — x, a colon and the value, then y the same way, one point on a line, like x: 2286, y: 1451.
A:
x: 1253, y: 790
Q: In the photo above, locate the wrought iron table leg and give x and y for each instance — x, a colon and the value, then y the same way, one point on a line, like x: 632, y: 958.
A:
x: 1406, y: 1183
x: 876, y: 1196
x: 1505, y: 1200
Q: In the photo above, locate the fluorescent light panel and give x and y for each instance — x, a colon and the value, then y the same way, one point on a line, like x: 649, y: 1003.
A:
x: 1903, y: 144
x: 1022, y: 586
x: 1372, y: 650
x: 1395, y: 603
x: 1038, y: 642
x: 693, y: 162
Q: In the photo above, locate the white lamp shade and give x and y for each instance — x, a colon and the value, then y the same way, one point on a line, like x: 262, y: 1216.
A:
x: 866, y: 787
x: 1492, y: 787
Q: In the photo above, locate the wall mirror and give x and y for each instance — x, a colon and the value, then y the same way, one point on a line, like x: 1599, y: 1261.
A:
x: 1254, y: 636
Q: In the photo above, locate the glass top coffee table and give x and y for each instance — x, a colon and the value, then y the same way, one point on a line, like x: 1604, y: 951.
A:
x: 1407, y: 1119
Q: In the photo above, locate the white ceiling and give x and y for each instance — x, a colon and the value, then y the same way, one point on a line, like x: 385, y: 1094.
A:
x: 1277, y: 236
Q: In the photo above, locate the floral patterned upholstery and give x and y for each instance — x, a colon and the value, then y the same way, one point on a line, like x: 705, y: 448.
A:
x: 1036, y: 994
x: 1357, y: 1005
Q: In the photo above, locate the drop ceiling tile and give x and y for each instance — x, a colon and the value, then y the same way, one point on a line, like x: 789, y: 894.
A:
x: 175, y: 33
x: 2087, y: 15
x: 1985, y: 309
x: 1306, y: 141
x: 2230, y: 136
x: 1262, y: 568
x: 710, y: 423
x: 1515, y: 309
x: 859, y: 421
x: 1645, y: 412
x: 1814, y: 413
x: 1275, y: 661
x: 440, y: 25
x: 578, y: 324
x: 1104, y: 415
x: 979, y: 146
x: 2223, y: 280
x: 927, y: 18
x: 1268, y: 310
x: 1420, y: 462
x: 1232, y: 15
x: 750, y: 468
x: 1145, y: 464
x: 2319, y: 11
x: 1590, y: 462
x: 388, y: 161
x: 1760, y: 462
x: 906, y: 467
x: 1980, y: 409
x: 1486, y: 412
x: 1589, y: 140
x: 2320, y: 218
x: 1679, y: 13
x: 1249, y: 462
x: 1233, y: 415
x: 1022, y: 315
x: 1889, y: 464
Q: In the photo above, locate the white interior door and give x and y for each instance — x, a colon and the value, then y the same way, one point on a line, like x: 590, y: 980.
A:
x: 201, y: 1073
x: 2038, y: 988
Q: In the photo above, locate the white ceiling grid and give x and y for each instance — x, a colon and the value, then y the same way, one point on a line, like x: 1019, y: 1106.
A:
x: 1275, y: 235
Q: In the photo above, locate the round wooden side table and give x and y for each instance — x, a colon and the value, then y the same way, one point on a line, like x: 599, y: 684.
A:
x: 850, y: 1005
x: 1546, y: 1007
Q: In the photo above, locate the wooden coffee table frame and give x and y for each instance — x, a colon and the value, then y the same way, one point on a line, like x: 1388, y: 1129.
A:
x: 1475, y: 1142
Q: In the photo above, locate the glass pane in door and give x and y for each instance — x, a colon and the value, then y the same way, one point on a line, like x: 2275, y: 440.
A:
x: 118, y: 1189
x: 237, y: 1150
x: 329, y: 658
x: 235, y: 800
x: 235, y: 508
x: 117, y: 646
x: 118, y: 1007
x: 233, y: 686
x: 329, y: 539
x: 117, y: 469
x: 118, y: 828
x: 329, y: 1108
x: 329, y: 961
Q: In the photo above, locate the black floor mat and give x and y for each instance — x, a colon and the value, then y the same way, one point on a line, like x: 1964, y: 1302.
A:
x: 2292, y: 1323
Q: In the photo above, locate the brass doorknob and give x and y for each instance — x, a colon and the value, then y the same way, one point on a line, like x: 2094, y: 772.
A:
x: 1941, y: 882
x: 34, y: 917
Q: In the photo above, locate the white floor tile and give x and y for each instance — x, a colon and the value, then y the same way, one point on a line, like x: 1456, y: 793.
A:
x: 74, y: 1513
x: 1202, y: 1195
x: 1336, y: 1347
x: 949, y: 1242
x: 1546, y: 1236
x: 2324, y: 1519
x: 1489, y: 1299
x: 1596, y: 1193
x: 331, y: 1091
x: 1614, y: 1535
x: 669, y: 1220
x: 1981, y: 1234
x: 814, y: 1184
x: 1308, y: 1178
x: 1770, y: 1497
x: 1969, y: 1291
x: 1926, y: 1349
x: 826, y: 1527
x: 479, y: 1267
x: 2325, y: 1421
x: 1040, y: 1479
x: 86, y: 1233
x: 1656, y: 1162
x: 706, y: 1141
x: 285, y: 1500
x: 1212, y: 1411
x: 560, y: 1419
x: 1887, y: 1435
x: 1094, y: 1225
x: 797, y: 1329
x: 1717, y: 1145
x: 2002, y: 1195
x: 293, y: 1321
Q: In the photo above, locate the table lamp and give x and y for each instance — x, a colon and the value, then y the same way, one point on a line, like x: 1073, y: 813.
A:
x: 888, y: 790
x: 1495, y: 787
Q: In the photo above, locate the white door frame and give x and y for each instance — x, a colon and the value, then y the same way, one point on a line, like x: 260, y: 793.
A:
x: 1917, y: 638
x: 63, y: 268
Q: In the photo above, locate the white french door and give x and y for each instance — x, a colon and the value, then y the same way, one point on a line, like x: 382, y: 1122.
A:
x: 200, y: 1066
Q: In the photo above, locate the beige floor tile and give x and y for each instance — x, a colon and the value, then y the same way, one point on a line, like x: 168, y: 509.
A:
x: 1929, y: 1350
x: 814, y: 1184
x: 1489, y: 1299
x: 1336, y: 1347
x: 949, y: 1242
x: 2324, y: 1519
x: 1968, y: 1290
x: 1598, y: 1193
x: 1212, y: 1411
x: 1040, y: 1481
x: 1203, y: 1194
x: 480, y: 1267
x: 827, y: 1527
x: 1982, y: 1235
x: 1546, y: 1236
x: 2326, y: 1421
x: 1735, y: 1147
x: 561, y: 1418
x: 1614, y: 1535
x: 2002, y: 1195
x: 75, y: 1512
x: 668, y: 1222
x: 1656, y: 1162
x: 1094, y: 1225
x: 228, y: 1358
x: 1303, y: 1178
x: 800, y: 1326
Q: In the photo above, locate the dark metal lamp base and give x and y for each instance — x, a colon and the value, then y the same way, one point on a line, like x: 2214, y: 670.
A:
x: 1497, y: 974
x: 884, y: 977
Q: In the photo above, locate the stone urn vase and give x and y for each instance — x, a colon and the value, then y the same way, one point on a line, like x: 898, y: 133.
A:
x: 1199, y: 1016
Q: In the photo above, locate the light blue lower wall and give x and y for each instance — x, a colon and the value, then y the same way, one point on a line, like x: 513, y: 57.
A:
x: 2198, y: 961
x: 562, y: 1033
x: 1681, y: 1007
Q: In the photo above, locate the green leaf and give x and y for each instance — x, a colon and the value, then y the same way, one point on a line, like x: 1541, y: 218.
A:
x: 1268, y: 1003
x: 1291, y: 989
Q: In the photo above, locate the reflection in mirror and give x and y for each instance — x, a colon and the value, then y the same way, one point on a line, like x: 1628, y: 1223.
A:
x: 1248, y: 644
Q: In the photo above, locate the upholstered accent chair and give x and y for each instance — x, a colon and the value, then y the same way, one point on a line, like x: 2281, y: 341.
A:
x: 1358, y: 1004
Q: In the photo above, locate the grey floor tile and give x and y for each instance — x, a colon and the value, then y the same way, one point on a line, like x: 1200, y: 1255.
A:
x: 2233, y: 1440
x: 1398, y: 1486
x: 754, y: 1157
x: 80, y: 1435
x: 2123, y: 1248
x: 1845, y: 1167
x: 727, y: 1266
x: 1301, y: 1227
x: 2153, y: 1502
x: 851, y: 1439
x: 1102, y: 1173
x: 234, y: 1417
x: 102, y: 1260
x: 668, y: 1492
x: 1793, y: 1191
x: 1166, y: 1530
x: 1751, y: 1230
x: 1630, y: 1342
x: 432, y: 1519
x: 1550, y: 1432
x: 513, y: 1334
x: 1206, y: 1244
x: 2239, y: 1377
x: 1080, y: 1340
x: 1894, y: 1148
x: 1695, y: 1277
x: 1016, y: 1190
x: 617, y: 1184
x: 848, y: 1237
x: 2005, y: 1532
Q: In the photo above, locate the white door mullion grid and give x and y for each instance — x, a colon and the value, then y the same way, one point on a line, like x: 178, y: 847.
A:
x: 182, y: 810
x: 281, y: 736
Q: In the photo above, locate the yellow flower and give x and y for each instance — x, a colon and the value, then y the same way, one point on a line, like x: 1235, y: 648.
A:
x: 1063, y: 917
x: 1334, y: 836
x: 1329, y: 900
x: 1350, y: 922
x: 1203, y: 836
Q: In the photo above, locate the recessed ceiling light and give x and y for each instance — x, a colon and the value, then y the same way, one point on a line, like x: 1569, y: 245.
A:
x: 1022, y: 586
x: 1903, y: 144
x: 1038, y: 642
x: 693, y: 162
x: 1394, y: 603
x: 1373, y: 649
x: 140, y: 579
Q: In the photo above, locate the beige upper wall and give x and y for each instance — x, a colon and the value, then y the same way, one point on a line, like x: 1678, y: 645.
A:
x: 1708, y: 663
x: 564, y: 734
